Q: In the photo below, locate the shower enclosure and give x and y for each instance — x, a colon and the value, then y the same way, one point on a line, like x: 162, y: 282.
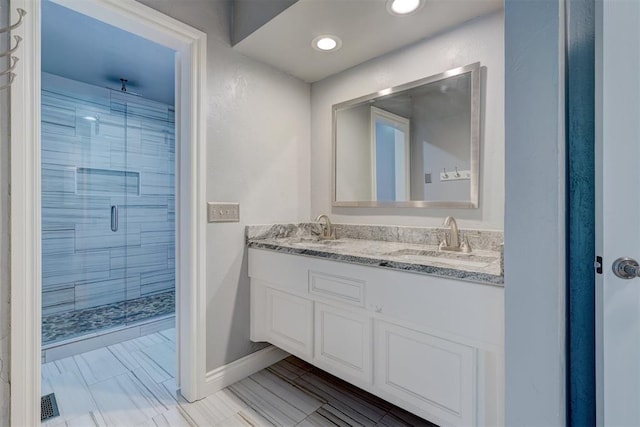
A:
x: 108, y: 209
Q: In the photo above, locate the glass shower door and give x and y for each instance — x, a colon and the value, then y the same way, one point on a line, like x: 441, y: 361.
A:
x: 83, y: 288
x: 148, y: 208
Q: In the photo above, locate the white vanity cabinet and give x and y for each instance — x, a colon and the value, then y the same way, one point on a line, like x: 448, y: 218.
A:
x: 431, y: 345
x: 289, y: 321
x: 342, y: 342
x: 426, y: 371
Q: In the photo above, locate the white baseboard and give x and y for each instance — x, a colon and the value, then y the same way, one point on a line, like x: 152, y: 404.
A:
x: 226, y: 375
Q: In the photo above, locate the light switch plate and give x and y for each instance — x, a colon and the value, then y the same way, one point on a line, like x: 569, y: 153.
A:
x: 223, y: 212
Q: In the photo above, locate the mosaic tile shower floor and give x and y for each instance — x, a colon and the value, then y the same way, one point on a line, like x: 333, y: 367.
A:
x: 61, y: 326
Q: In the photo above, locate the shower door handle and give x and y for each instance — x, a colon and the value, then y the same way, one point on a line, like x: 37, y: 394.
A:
x: 114, y: 217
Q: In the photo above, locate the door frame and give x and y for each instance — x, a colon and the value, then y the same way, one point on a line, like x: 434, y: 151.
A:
x: 397, y: 122
x: 616, y: 210
x: 26, y: 286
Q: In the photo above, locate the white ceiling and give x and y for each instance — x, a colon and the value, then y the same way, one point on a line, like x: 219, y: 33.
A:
x: 81, y: 48
x: 366, y: 28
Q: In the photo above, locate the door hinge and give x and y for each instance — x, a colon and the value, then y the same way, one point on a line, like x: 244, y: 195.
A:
x: 598, y: 264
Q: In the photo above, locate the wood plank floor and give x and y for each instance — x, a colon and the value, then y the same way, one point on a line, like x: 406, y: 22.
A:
x: 132, y: 384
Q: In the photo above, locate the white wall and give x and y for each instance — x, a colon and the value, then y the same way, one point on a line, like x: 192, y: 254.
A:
x: 481, y: 40
x: 4, y: 228
x: 258, y: 155
x: 535, y: 259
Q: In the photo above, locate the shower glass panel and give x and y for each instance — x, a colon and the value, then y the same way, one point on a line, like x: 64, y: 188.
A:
x: 107, y: 209
x: 148, y: 261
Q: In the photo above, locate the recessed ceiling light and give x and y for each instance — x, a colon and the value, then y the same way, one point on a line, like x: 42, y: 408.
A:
x: 326, y: 43
x: 403, y: 7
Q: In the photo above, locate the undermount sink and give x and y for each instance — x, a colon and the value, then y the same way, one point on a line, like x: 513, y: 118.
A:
x: 456, y: 258
x: 316, y: 243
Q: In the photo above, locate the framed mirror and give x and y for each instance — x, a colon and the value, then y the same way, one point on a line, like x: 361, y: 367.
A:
x: 414, y: 145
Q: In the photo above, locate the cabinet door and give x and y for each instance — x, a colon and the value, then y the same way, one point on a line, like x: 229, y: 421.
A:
x: 343, y: 342
x: 434, y: 375
x: 290, y: 322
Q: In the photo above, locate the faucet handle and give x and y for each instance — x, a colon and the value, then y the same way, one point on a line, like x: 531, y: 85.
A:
x: 444, y: 243
x: 465, y: 246
x: 447, y: 239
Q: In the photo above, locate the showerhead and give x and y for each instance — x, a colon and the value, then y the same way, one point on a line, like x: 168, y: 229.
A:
x: 124, y: 85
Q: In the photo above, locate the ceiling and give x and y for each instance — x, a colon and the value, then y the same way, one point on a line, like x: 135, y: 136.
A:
x: 366, y: 28
x: 81, y: 48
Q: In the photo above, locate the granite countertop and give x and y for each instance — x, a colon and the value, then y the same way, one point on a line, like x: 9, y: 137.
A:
x: 482, y: 265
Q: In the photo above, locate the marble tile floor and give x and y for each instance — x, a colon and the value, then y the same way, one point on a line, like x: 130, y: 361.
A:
x: 132, y: 384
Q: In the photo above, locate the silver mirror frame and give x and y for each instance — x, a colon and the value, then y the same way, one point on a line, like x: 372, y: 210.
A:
x: 472, y: 203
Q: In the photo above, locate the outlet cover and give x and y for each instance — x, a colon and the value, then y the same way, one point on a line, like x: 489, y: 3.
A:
x: 223, y: 212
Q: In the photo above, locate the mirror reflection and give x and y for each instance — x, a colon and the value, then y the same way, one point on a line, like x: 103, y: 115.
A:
x: 414, y: 145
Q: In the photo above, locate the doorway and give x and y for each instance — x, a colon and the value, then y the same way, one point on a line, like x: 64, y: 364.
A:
x: 108, y: 184
x: 28, y: 265
x: 108, y: 217
x: 390, y: 147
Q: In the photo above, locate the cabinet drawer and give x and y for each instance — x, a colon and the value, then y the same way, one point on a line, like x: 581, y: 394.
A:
x: 290, y: 322
x: 435, y: 375
x: 337, y: 288
x: 343, y: 342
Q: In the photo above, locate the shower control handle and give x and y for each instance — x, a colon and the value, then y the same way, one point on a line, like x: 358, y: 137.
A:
x: 114, y: 218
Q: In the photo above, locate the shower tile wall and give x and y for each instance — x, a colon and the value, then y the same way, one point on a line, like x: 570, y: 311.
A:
x: 92, y: 277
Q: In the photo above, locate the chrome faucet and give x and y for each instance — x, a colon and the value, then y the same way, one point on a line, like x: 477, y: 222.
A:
x: 451, y: 240
x: 328, y: 232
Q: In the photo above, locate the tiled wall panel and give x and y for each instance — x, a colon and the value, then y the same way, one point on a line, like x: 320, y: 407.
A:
x: 96, y: 236
x: 157, y: 281
x: 102, y: 148
x: 58, y: 241
x: 58, y: 300
x: 64, y: 268
x: 105, y: 181
x: 97, y: 293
